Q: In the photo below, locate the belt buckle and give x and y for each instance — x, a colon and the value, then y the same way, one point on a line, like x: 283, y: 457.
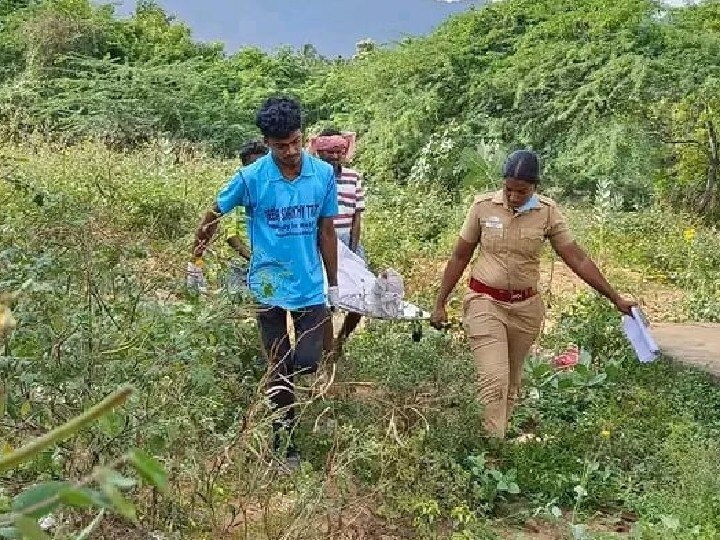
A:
x: 515, y: 296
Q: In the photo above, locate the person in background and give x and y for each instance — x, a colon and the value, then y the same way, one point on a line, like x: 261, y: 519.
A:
x: 337, y: 148
x: 250, y: 152
x: 236, y: 278
x: 290, y: 199
x: 502, y: 310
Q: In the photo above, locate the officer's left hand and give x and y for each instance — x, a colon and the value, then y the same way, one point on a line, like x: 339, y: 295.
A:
x: 624, y: 306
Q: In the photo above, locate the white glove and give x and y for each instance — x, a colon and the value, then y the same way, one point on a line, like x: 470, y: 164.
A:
x: 195, y: 277
x: 333, y: 296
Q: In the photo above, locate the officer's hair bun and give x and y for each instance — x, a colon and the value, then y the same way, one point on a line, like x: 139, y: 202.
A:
x: 523, y: 165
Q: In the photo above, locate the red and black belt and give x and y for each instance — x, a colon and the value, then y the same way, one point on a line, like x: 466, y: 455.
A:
x: 502, y: 295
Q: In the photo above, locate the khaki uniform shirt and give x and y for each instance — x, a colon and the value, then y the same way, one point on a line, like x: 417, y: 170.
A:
x: 510, y: 243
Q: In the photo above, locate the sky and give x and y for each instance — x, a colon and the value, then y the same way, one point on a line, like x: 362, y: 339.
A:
x: 333, y: 26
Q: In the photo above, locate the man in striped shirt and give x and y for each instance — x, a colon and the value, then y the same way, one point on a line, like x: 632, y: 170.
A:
x: 336, y: 148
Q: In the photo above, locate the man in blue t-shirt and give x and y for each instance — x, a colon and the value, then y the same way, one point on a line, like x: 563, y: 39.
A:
x: 290, y: 199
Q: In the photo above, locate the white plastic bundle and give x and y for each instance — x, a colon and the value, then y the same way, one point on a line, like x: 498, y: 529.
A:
x: 389, y: 293
x: 362, y: 292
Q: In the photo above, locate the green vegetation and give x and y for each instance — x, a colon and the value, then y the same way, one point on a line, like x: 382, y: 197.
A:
x: 117, y: 133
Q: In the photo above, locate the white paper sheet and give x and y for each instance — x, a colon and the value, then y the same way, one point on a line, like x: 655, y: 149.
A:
x: 638, y: 333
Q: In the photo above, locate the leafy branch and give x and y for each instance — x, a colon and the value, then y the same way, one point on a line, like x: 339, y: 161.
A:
x: 40, y: 499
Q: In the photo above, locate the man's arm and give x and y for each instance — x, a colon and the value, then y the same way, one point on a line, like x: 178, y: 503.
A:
x: 579, y: 262
x: 356, y: 227
x: 328, y: 249
x: 233, y: 194
x: 239, y: 246
x: 206, y: 231
x: 355, y: 231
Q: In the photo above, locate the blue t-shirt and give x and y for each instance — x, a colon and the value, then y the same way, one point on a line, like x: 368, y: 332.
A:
x: 283, y: 216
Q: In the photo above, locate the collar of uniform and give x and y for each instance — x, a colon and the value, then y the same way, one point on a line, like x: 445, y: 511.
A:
x: 306, y: 169
x: 532, y: 203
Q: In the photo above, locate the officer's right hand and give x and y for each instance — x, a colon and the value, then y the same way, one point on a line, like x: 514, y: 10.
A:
x: 439, y: 317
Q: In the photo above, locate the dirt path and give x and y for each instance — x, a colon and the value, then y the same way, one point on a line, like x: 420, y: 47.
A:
x: 696, y: 345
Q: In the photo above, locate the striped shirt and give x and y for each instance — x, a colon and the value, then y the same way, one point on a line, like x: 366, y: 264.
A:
x: 351, y: 198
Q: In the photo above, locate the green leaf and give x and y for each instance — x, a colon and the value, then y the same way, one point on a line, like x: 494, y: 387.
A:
x: 76, y: 497
x: 582, y: 370
x: 149, y: 469
x: 25, y: 409
x: 111, y: 424
x: 119, y: 503
x: 513, y: 488
x: 80, y: 497
x: 116, y: 479
x: 29, y: 529
x: 37, y: 500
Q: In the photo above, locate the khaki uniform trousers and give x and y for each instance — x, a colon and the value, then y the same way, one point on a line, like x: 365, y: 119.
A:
x: 500, y: 335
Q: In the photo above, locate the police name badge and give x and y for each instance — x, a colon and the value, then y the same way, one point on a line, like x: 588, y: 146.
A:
x: 493, y: 223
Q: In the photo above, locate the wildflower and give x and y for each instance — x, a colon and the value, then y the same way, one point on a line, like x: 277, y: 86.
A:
x: 605, y: 433
x: 569, y: 358
x: 689, y: 234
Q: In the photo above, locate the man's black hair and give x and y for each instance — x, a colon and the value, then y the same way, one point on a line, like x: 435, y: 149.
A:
x: 330, y: 132
x: 252, y: 148
x: 523, y: 165
x: 279, y: 117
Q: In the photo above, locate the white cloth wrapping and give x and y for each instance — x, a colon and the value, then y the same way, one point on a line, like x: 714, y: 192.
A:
x: 362, y: 292
x: 388, y: 294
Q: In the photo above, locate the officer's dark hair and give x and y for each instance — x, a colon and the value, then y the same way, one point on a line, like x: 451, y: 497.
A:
x: 330, y: 132
x: 278, y: 117
x: 523, y: 165
x: 252, y: 148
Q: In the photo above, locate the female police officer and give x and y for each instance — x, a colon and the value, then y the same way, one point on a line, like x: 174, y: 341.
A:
x: 502, y: 311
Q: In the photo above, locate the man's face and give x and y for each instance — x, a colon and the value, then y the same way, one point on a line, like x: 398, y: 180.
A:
x: 334, y: 157
x: 518, y: 192
x: 288, y: 151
